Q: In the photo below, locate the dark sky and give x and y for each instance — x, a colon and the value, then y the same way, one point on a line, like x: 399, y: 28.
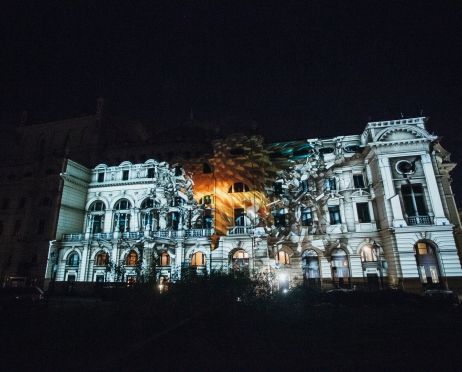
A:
x: 303, y: 69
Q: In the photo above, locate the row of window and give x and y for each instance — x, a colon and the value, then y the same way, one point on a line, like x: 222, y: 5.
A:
x: 131, y: 259
x: 358, y: 183
x: 17, y: 227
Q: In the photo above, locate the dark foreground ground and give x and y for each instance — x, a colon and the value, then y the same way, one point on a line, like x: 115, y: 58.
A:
x: 185, y: 334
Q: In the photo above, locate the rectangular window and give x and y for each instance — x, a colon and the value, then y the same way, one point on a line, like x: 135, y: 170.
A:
x: 434, y: 274
x: 5, y: 203
x: 279, y: 218
x: 125, y: 175
x: 358, y: 181
x: 150, y: 173
x: 239, y: 217
x: 22, y: 203
x: 41, y: 227
x: 278, y: 188
x: 307, y: 218
x: 17, y: 227
x: 334, y: 214
x: 101, y: 177
x: 413, y: 199
x: 363, y: 212
x: 330, y: 184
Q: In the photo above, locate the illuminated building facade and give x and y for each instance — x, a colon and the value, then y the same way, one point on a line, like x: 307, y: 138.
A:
x: 370, y: 210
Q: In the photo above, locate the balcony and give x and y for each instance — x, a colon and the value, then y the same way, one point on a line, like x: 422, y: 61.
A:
x: 419, y: 220
x: 134, y: 235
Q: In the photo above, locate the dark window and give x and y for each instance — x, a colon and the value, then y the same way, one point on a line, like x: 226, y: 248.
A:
x: 207, y: 199
x: 46, y: 202
x: 413, y: 199
x: 239, y: 217
x: 17, y: 227
x: 123, y: 204
x: 6, y: 203
x: 279, y: 218
x: 147, y: 203
x: 358, y: 181
x: 41, y: 227
x: 352, y: 148
x: 150, y: 173
x: 307, y: 219
x: 278, y: 188
x: 237, y: 151
x: 97, y: 206
x: 22, y: 202
x: 73, y: 259
x: 101, y: 177
x: 326, y: 150
x: 238, y: 187
x: 274, y: 155
x: 208, y: 219
x: 330, y: 184
x: 302, y: 152
x: 125, y: 175
x: 334, y: 214
x: 206, y: 168
x: 178, y: 171
x: 363, y: 212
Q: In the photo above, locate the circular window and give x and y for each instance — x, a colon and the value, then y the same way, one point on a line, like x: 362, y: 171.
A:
x: 405, y: 167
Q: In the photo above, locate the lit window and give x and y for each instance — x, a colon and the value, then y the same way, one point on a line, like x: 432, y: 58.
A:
x: 101, y: 259
x: 369, y: 253
x: 131, y: 258
x: 198, y: 259
x: 283, y: 258
x: 164, y: 259
x: 363, y: 212
x: 73, y: 259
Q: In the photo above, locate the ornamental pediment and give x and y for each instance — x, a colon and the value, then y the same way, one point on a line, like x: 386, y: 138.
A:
x: 402, y: 133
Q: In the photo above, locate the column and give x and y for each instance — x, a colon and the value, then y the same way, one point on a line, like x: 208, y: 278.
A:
x: 433, y: 191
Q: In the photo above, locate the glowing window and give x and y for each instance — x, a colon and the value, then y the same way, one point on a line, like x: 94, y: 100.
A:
x: 198, y: 259
x: 101, y: 259
x: 131, y: 258
x: 369, y: 253
x: 283, y: 258
x: 164, y: 259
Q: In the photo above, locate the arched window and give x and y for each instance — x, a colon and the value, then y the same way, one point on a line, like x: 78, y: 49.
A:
x: 310, y: 267
x: 73, y: 259
x: 149, y: 215
x: 238, y: 187
x: 164, y: 259
x: 131, y: 258
x: 427, y: 264
x: 369, y: 253
x: 122, y: 215
x: 240, y: 259
x: 340, y: 268
x: 97, y: 206
x: 102, y: 259
x: 283, y: 258
x: 198, y: 259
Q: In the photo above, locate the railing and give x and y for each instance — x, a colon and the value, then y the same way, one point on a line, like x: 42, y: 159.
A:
x: 419, y: 220
x: 240, y: 230
x: 140, y: 234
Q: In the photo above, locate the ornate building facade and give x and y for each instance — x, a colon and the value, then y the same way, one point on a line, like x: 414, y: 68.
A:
x: 371, y: 210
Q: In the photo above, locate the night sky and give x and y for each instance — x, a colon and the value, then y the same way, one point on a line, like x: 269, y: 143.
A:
x: 302, y: 69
